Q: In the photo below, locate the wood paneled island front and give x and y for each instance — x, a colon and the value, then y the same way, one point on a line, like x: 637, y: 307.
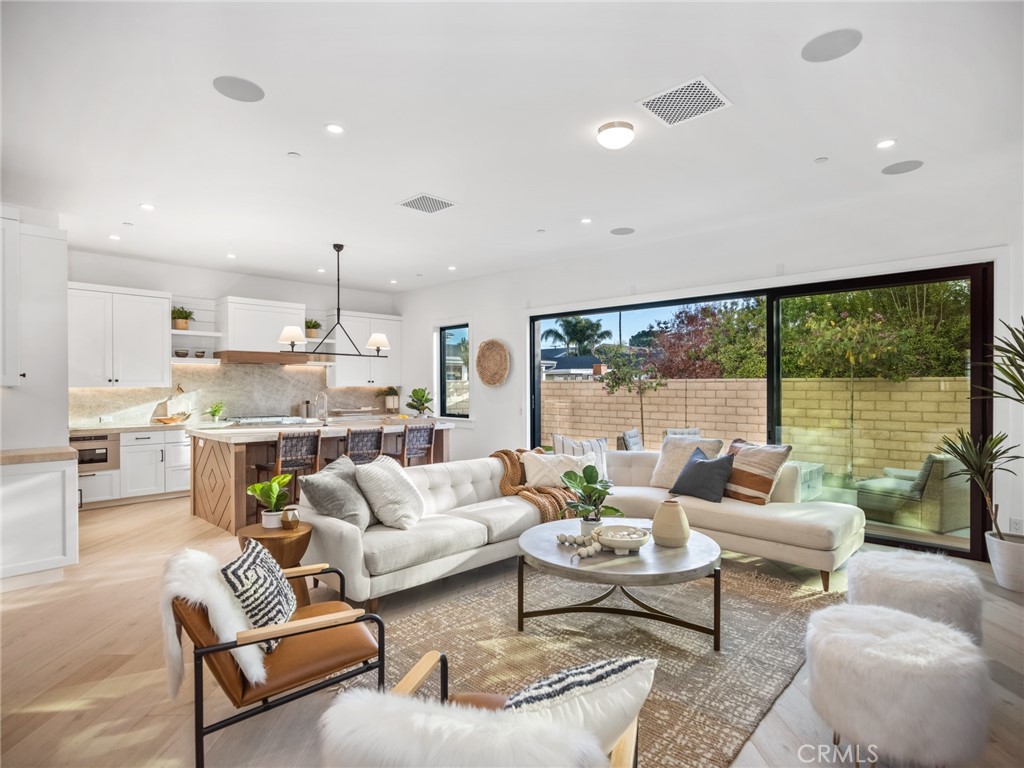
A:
x: 224, y: 459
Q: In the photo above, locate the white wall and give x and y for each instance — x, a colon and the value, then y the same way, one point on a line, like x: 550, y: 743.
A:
x: 104, y: 269
x: 865, y: 237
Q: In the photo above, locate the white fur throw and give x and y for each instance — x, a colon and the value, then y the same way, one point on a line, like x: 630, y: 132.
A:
x: 196, y: 577
x: 367, y: 729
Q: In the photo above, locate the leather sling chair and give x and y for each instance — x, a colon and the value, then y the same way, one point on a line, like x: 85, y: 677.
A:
x: 319, y: 640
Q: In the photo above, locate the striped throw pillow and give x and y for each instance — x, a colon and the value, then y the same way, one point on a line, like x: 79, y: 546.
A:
x: 597, y: 446
x: 261, y: 587
x: 602, y: 697
x: 755, y: 470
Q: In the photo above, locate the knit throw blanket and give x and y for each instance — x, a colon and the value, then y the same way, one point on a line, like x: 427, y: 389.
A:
x: 550, y: 500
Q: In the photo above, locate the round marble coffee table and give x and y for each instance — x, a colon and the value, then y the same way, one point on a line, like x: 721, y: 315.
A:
x: 650, y: 566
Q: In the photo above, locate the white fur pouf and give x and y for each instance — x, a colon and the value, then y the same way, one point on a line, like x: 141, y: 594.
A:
x: 914, y: 689
x: 920, y: 583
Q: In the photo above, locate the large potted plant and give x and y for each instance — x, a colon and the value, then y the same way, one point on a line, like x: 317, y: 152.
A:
x: 591, y: 493
x: 985, y: 455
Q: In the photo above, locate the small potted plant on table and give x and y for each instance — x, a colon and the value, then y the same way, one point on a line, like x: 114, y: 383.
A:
x: 273, y: 494
x: 312, y: 326
x: 215, y: 410
x: 419, y: 401
x: 591, y: 493
x: 180, y: 317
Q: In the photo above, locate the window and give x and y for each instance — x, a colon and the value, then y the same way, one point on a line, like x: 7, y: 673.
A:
x: 454, y: 400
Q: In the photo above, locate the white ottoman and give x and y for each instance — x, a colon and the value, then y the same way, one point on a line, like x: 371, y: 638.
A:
x: 921, y: 583
x: 914, y: 689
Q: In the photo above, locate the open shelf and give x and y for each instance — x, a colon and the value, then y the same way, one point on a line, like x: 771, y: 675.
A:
x: 210, y: 334
x: 194, y: 361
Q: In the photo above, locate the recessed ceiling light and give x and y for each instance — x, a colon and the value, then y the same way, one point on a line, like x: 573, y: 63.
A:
x: 114, y: 237
x: 585, y: 221
x: 127, y: 224
x: 148, y: 207
x: 886, y: 143
x: 831, y: 45
x: 393, y: 282
x: 238, y: 89
x: 451, y: 269
x: 321, y: 270
x: 294, y: 155
x: 542, y: 231
x: 615, y: 135
x: 821, y: 159
x: 905, y: 167
x: 623, y: 231
x: 334, y: 128
x: 231, y: 255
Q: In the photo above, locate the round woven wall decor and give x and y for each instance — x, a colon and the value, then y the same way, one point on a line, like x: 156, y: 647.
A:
x: 492, y: 362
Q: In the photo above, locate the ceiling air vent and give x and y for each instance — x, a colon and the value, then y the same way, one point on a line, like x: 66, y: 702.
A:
x: 426, y: 203
x: 686, y: 102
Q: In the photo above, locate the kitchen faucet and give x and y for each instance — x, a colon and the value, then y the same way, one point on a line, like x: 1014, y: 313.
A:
x: 320, y: 407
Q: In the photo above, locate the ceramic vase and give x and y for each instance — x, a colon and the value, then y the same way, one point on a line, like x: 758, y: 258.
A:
x: 271, y: 519
x: 670, y: 527
x: 290, y: 517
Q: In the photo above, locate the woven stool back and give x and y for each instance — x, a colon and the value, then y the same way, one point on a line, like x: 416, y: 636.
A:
x: 364, y: 445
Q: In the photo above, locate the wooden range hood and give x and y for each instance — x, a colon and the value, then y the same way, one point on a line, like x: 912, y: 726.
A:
x: 272, y: 358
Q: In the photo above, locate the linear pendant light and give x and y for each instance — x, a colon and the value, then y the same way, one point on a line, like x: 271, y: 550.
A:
x: 377, y: 341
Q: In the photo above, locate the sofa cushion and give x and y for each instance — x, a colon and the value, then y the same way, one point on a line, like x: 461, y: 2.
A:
x: 435, y: 536
x: 546, y: 470
x: 597, y: 446
x: 703, y: 477
x: 755, y: 470
x: 506, y: 517
x: 637, y: 500
x: 675, y: 452
x: 922, y: 477
x: 457, y: 483
x: 886, y: 494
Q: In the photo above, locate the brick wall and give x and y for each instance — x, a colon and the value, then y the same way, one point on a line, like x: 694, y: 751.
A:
x: 896, y: 423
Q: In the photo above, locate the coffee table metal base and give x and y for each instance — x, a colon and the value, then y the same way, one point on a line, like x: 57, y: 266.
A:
x: 648, y: 612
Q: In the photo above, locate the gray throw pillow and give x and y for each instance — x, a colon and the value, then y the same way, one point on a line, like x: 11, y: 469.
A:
x: 394, y: 499
x: 333, y: 491
x: 704, y: 478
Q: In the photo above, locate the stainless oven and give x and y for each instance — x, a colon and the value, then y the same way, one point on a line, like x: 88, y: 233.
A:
x: 97, y: 452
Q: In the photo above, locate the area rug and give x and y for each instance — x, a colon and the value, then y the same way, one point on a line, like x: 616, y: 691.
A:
x: 704, y: 705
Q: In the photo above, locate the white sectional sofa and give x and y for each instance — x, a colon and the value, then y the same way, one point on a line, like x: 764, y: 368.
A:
x: 814, y: 534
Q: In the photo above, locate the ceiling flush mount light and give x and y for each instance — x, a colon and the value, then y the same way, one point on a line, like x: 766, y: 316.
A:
x: 294, y: 155
x: 451, y: 269
x: 377, y: 341
x: 321, y: 270
x: 831, y: 45
x: 905, y: 167
x: 393, y: 282
x: 114, y: 237
x: 147, y: 207
x: 585, y: 220
x: 238, y: 88
x: 334, y: 128
x: 821, y: 160
x: 623, y: 231
x: 615, y: 135
x: 886, y: 143
x: 231, y: 256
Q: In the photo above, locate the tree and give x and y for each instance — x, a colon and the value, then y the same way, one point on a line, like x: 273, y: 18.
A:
x: 579, y: 335
x: 630, y: 371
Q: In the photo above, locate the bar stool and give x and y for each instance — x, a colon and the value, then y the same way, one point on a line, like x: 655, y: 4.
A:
x: 297, y: 453
x: 364, y: 445
x: 417, y: 443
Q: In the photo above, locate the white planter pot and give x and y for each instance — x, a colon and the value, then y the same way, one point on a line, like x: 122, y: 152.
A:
x: 1007, y: 560
x: 587, y: 526
x: 271, y: 519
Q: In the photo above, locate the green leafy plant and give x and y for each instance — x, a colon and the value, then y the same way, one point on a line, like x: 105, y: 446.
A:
x: 272, y: 494
x: 387, y: 392
x: 591, y: 493
x: 982, y: 457
x: 216, y: 409
x: 180, y: 313
x: 631, y: 372
x: 313, y: 325
x: 1008, y: 365
x: 419, y: 400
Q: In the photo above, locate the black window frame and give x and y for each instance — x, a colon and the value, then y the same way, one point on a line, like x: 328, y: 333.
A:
x: 442, y: 405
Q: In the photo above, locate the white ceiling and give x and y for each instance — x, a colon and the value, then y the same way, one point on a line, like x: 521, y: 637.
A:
x: 492, y: 106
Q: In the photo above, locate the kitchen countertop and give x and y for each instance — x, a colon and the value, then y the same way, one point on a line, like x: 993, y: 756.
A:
x: 116, y: 429
x: 34, y: 455
x: 238, y: 435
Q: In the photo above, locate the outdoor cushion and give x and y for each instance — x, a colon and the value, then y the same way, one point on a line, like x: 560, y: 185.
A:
x: 887, y: 494
x: 435, y: 536
x: 631, y: 439
x: 506, y: 517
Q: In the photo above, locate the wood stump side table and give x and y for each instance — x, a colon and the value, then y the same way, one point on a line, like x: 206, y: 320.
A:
x: 286, y: 547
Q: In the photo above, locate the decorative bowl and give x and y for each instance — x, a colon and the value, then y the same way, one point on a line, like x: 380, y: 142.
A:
x: 200, y: 353
x: 622, y: 538
x: 181, y: 353
x: 176, y: 418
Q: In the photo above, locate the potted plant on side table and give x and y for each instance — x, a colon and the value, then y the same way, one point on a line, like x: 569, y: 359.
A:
x: 273, y: 494
x: 983, y: 456
x: 419, y: 401
x: 591, y: 493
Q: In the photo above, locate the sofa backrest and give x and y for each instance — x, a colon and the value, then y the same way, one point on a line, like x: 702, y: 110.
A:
x: 457, y: 483
x: 949, y: 491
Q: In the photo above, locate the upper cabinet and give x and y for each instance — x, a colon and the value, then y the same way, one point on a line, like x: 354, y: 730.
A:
x: 11, y: 374
x: 118, y: 337
x: 369, y: 370
x: 255, y: 325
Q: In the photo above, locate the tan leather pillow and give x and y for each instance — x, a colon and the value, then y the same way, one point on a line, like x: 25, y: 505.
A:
x: 755, y: 469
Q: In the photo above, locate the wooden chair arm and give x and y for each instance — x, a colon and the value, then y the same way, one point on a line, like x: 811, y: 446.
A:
x: 258, y: 635
x: 417, y: 676
x: 305, y: 570
x: 625, y: 748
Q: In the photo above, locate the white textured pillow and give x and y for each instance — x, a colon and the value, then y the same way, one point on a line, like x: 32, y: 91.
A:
x: 358, y: 730
x: 395, y: 501
x: 675, y: 452
x: 604, y: 697
x: 544, y: 470
x: 597, y: 446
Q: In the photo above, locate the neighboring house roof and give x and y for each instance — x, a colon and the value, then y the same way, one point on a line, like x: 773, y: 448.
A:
x: 564, y: 362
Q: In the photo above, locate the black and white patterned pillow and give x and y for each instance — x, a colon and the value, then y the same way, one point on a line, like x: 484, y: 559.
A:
x: 261, y: 587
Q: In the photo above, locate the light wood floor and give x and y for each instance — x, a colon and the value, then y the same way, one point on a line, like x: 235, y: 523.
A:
x: 82, y: 679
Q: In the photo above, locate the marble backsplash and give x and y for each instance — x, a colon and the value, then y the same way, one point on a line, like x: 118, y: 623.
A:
x: 246, y: 390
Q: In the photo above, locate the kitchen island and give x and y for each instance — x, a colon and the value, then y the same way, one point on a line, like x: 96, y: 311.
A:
x: 224, y: 459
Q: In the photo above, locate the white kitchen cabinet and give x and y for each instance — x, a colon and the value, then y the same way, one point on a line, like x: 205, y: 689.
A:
x: 369, y: 370
x: 39, y: 524
x: 99, y: 486
x: 118, y: 337
x: 255, y: 325
x: 10, y: 315
x: 142, y: 470
x: 177, y: 461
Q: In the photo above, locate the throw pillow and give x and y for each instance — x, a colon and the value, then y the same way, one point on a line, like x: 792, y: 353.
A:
x: 631, y: 439
x: 545, y: 470
x: 922, y: 477
x: 334, y: 491
x: 359, y: 729
x: 261, y: 587
x: 603, y: 697
x: 755, y: 470
x: 597, y: 446
x: 675, y: 452
x: 703, y: 477
x: 395, y: 501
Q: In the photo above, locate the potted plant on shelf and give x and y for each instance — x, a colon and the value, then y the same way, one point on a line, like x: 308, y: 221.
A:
x: 985, y: 455
x: 390, y: 395
x: 419, y: 401
x: 215, y: 410
x: 591, y: 493
x: 312, y: 326
x: 273, y: 495
x: 180, y: 317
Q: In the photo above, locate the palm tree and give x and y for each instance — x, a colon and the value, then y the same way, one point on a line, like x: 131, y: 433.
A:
x: 579, y: 335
